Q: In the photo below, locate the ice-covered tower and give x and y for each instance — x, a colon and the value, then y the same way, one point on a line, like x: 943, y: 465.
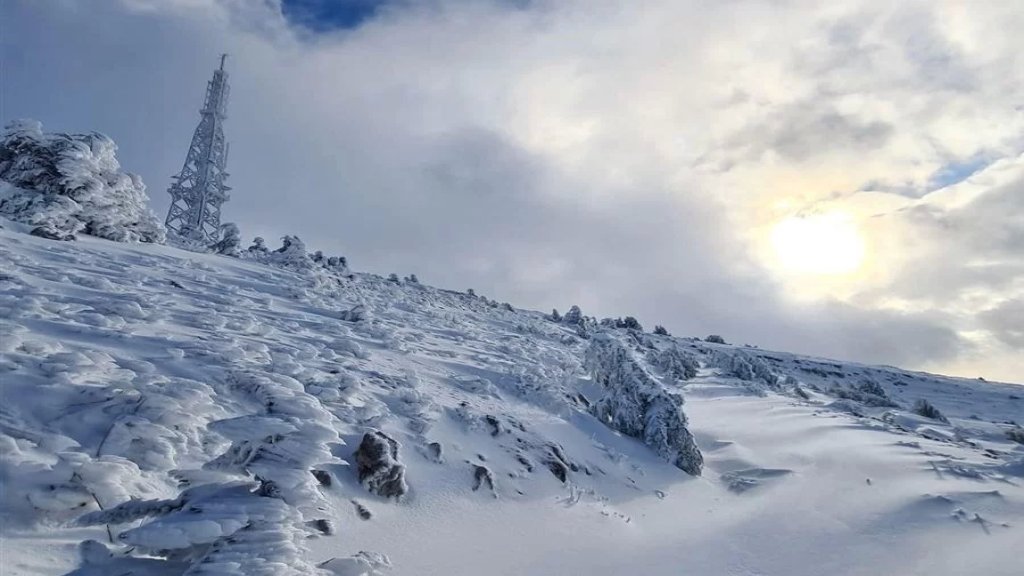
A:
x: 199, y: 190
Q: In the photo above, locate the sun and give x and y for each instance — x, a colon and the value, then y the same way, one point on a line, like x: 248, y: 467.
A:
x: 818, y: 245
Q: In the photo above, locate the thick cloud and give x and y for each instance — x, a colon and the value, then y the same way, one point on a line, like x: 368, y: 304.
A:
x: 625, y: 157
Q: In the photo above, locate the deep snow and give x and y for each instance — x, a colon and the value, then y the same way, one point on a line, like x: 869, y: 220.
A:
x: 211, y: 407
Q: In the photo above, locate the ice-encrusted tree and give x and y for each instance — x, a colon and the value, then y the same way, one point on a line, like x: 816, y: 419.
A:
x: 68, y: 184
x: 638, y: 405
x: 574, y: 316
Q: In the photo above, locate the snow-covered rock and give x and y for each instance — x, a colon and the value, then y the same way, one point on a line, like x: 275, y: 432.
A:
x: 380, y: 470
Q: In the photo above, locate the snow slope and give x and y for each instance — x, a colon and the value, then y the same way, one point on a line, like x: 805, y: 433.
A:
x: 189, y: 413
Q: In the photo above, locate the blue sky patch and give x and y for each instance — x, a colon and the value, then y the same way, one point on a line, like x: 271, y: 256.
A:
x: 955, y: 172
x: 326, y: 15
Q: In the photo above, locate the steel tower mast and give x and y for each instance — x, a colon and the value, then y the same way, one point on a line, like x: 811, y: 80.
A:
x: 199, y: 189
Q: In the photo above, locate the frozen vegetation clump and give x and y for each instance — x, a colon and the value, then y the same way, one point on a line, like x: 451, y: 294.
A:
x: 68, y: 184
x: 1016, y: 434
x: 230, y: 243
x: 584, y: 325
x: 676, y: 364
x: 636, y: 404
x: 867, y: 392
x: 924, y: 408
x: 745, y: 367
x: 574, y: 316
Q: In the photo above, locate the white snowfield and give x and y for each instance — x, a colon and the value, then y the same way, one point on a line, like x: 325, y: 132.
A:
x: 165, y: 412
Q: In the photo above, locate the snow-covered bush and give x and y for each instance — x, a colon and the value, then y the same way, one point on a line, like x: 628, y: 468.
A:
x: 1016, y: 434
x: 574, y: 316
x: 660, y: 330
x: 291, y: 254
x: 230, y: 240
x: 584, y: 325
x: 68, y: 184
x: 676, y: 364
x: 555, y: 316
x: 337, y: 264
x: 923, y: 407
x: 629, y: 323
x: 715, y: 339
x: 745, y: 367
x: 867, y: 392
x: 258, y: 248
x: 636, y: 404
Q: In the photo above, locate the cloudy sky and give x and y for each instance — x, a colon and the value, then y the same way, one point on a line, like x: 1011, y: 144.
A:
x: 843, y: 180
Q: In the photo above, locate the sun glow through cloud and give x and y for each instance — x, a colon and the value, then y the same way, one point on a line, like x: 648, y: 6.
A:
x: 818, y: 245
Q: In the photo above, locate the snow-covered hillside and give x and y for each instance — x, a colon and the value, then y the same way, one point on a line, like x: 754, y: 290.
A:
x: 166, y: 412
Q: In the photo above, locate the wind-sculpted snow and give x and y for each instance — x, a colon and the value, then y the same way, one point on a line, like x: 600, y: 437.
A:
x: 635, y: 403
x: 169, y: 413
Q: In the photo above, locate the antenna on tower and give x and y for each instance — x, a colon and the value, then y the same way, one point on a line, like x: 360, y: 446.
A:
x: 199, y: 190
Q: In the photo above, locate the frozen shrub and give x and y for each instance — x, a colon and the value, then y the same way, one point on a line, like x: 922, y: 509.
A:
x: 412, y: 279
x: 871, y: 387
x: 1016, y: 434
x: 230, y: 240
x: 715, y: 339
x: 924, y: 408
x: 471, y: 293
x: 258, y: 248
x: 555, y: 316
x: 393, y: 278
x: 867, y: 392
x: 291, y: 254
x: 68, y: 184
x: 636, y: 404
x: 660, y: 330
x: 676, y: 364
x: 629, y: 323
x: 745, y: 367
x: 574, y: 316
